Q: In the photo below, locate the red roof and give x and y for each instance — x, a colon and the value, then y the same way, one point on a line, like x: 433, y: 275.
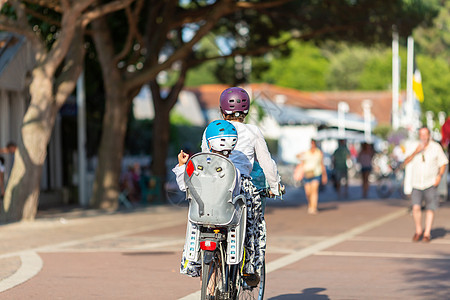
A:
x: 209, y: 94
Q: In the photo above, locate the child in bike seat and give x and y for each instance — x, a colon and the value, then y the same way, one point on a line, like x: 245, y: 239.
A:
x: 221, y: 137
x: 251, y: 145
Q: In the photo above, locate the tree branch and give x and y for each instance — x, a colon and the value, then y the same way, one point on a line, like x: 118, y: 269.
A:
x: 262, y: 50
x: 133, y: 33
x: 104, y: 10
x: 68, y: 27
x: 150, y: 70
x: 42, y: 17
x: 199, y: 15
x: 66, y: 81
x: 20, y: 26
x: 52, y: 4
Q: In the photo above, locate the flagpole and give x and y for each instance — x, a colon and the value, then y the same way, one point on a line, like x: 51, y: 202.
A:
x: 395, y: 80
x: 409, y: 122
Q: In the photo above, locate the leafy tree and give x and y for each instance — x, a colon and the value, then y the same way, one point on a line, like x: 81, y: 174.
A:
x: 58, y: 42
x: 149, y: 37
x: 435, y: 40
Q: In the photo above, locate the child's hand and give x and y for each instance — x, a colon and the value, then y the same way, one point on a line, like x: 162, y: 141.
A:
x: 182, y: 158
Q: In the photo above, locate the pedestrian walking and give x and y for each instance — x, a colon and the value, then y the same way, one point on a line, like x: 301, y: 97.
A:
x: 365, y: 158
x: 428, y: 166
x: 313, y: 174
x: 340, y: 168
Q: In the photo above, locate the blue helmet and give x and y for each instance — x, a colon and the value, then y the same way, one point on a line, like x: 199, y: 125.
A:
x: 221, y: 136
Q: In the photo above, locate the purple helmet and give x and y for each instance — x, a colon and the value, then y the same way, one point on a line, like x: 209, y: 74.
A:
x: 234, y: 99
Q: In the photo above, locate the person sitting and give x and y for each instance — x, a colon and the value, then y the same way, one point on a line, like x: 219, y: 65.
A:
x: 222, y: 138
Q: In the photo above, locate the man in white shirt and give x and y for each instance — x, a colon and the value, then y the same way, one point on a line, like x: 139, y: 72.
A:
x: 428, y: 166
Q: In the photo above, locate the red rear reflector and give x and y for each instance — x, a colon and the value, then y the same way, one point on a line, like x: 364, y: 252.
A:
x: 208, y: 245
x: 190, y: 168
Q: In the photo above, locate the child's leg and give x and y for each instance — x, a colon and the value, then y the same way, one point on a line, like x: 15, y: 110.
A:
x: 191, y: 267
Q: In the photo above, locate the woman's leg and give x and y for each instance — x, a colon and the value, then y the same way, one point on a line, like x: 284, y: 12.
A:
x: 365, y: 185
x: 314, y: 196
x: 308, y: 193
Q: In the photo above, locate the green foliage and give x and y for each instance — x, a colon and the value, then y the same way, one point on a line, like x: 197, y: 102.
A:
x: 436, y: 84
x: 304, y: 69
x: 382, y: 131
x: 202, y: 74
x: 346, y: 68
x: 177, y: 119
x: 435, y: 40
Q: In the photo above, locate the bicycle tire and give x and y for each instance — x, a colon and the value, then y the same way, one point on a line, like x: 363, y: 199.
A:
x: 385, y: 187
x: 212, y: 278
x: 253, y: 293
x: 176, y: 198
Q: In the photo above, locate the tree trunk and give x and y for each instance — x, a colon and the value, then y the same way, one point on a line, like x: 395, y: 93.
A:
x: 106, y: 187
x: 161, y: 137
x: 118, y: 102
x: 22, y: 193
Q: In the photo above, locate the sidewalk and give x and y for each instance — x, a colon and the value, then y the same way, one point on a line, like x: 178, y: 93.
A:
x: 353, y: 249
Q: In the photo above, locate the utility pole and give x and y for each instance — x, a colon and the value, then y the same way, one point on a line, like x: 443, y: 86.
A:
x: 395, y: 80
x: 367, y: 105
x: 81, y: 121
x: 409, y: 122
x: 342, y: 110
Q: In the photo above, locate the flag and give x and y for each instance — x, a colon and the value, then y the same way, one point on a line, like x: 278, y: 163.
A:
x: 417, y: 85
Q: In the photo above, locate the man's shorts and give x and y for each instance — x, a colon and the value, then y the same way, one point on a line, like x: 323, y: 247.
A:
x: 340, y: 174
x: 429, y: 196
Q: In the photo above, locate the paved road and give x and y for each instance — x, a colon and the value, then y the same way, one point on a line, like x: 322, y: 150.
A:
x: 353, y: 249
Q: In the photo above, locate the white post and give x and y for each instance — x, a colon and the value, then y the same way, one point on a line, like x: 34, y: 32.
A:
x: 342, y: 109
x: 409, y: 90
x: 81, y: 120
x: 367, y: 105
x: 395, y: 81
x: 441, y: 118
x: 430, y: 122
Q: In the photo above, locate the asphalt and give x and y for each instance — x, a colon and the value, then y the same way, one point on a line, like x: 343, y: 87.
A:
x: 353, y: 249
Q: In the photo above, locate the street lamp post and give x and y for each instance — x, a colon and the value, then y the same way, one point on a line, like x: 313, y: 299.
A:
x: 367, y: 105
x: 342, y: 110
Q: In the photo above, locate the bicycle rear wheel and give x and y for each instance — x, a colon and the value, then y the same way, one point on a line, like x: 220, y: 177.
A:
x: 247, y: 292
x: 212, y: 278
x: 385, y: 187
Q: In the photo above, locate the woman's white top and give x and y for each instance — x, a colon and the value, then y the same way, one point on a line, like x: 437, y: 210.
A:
x: 251, y: 142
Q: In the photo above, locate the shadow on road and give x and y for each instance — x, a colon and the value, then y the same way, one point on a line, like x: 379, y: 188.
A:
x: 431, y: 277
x: 306, y: 294
x: 439, y: 232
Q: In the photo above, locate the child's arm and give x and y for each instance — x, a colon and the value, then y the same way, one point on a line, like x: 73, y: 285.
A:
x: 179, y: 170
x: 182, y: 158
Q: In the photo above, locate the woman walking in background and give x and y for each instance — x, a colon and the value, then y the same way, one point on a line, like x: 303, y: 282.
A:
x: 313, y: 173
x: 365, y: 157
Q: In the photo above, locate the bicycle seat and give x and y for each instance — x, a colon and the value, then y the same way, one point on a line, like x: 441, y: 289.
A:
x: 210, y: 181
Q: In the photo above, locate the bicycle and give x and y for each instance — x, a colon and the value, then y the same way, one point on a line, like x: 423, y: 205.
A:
x: 392, y: 181
x: 216, y: 230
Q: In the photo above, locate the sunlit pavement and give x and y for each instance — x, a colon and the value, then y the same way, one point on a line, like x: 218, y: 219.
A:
x: 353, y: 249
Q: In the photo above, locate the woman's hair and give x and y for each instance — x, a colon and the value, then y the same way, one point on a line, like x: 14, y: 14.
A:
x: 237, y: 116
